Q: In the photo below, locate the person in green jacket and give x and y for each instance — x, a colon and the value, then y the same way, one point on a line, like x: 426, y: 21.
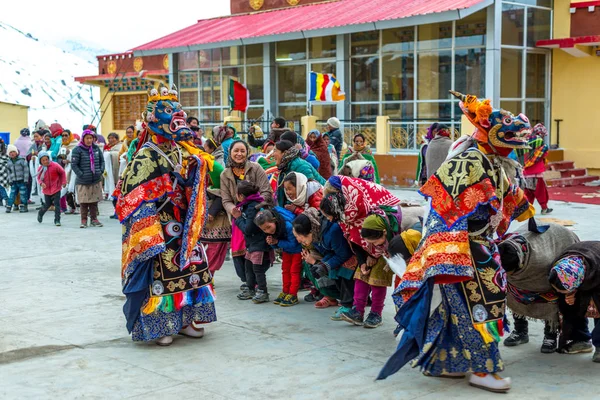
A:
x: 288, y: 160
x: 361, y: 147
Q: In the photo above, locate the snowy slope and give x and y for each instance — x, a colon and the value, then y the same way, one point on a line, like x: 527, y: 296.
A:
x: 40, y: 75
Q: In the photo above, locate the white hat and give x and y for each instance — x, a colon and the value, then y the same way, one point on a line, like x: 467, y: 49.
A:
x: 333, y: 122
x: 10, y: 148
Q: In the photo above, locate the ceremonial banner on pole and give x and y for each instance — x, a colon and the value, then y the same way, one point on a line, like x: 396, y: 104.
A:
x: 325, y: 87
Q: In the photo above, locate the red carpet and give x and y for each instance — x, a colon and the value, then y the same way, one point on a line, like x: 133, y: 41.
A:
x: 576, y: 194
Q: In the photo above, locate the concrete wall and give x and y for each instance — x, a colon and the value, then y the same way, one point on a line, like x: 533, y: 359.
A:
x: 13, y: 118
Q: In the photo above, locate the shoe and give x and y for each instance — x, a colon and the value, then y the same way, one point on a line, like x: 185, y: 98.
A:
x: 113, y: 216
x: 290, y: 300
x: 30, y: 202
x: 83, y: 224
x: 23, y: 208
x: 70, y: 212
x: 40, y: 218
x: 57, y: 223
x: 337, y: 316
x: 373, y: 321
x: 192, y: 331
x: 577, y: 347
x: 15, y: 208
x: 490, y: 382
x: 596, y: 356
x: 547, y: 211
x: 243, y: 287
x: 550, y: 343
x: 353, y: 317
x: 311, y: 298
x: 8, y: 210
x: 96, y: 223
x: 516, y: 338
x: 326, y: 302
x: 165, y: 341
x: 260, y: 297
x: 279, y: 298
x: 246, y: 294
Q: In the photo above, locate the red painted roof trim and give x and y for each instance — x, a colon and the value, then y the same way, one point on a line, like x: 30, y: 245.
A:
x: 569, y: 42
x: 585, y: 4
x: 110, y: 77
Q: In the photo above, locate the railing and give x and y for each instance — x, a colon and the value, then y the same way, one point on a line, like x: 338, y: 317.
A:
x: 265, y: 125
x: 409, y: 135
x: 350, y: 128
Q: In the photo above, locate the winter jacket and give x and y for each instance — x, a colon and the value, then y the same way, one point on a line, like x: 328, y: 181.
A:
x: 285, y: 232
x: 256, y: 239
x: 274, y: 136
x: 297, y: 165
x: 18, y: 170
x: 335, y: 250
x: 313, y: 160
x: 80, y: 162
x: 253, y: 173
x: 314, y: 201
x: 337, y: 140
x: 54, y: 178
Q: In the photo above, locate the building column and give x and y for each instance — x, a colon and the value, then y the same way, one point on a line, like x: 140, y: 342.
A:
x: 173, y: 70
x: 493, y: 54
x: 269, y: 81
x: 342, y: 67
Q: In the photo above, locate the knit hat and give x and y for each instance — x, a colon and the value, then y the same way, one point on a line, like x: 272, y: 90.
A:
x: 43, y: 154
x: 25, y: 132
x: 87, y: 132
x: 333, y: 122
x: 10, y: 148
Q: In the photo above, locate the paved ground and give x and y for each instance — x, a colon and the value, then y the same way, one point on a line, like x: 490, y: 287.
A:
x: 62, y: 334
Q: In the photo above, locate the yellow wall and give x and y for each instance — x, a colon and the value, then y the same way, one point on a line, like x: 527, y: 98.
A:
x: 13, y: 118
x: 106, y: 112
x: 575, y: 89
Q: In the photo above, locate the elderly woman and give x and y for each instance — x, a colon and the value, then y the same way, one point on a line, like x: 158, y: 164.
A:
x: 88, y: 165
x: 239, y: 169
x: 319, y: 147
x: 360, y: 151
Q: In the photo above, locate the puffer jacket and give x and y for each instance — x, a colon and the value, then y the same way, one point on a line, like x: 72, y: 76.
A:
x: 256, y: 239
x: 80, y: 163
x: 18, y: 170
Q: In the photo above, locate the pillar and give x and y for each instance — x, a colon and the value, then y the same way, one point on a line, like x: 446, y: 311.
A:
x: 234, y: 119
x: 466, y: 127
x: 269, y: 82
x: 308, y: 122
x: 493, y: 53
x: 383, y: 135
x: 342, y: 68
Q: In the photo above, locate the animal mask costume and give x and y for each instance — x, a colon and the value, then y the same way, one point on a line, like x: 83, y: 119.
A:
x: 164, y: 115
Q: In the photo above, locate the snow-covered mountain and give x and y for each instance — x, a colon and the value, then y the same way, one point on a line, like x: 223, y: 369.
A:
x: 40, y: 75
x: 82, y: 49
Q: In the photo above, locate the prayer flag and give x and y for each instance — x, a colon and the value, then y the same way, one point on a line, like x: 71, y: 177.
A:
x: 325, y: 87
x: 239, y: 96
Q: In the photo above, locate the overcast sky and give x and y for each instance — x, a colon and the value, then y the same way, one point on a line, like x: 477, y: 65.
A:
x: 116, y: 25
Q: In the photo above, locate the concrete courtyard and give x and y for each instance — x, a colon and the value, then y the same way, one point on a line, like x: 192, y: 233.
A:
x: 62, y: 334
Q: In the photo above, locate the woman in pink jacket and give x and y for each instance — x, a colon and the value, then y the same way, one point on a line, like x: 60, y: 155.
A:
x: 52, y: 178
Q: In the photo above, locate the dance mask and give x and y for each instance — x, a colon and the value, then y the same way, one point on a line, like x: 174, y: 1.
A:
x: 164, y: 115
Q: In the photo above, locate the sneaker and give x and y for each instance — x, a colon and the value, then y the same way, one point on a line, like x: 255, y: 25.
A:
x: 40, y: 218
x: 516, y: 338
x: 279, y: 298
x: 596, y: 356
x: 373, y: 321
x: 290, y: 300
x: 56, y: 223
x: 15, y: 208
x: 490, y: 382
x: 243, y: 287
x: 23, y: 208
x: 83, y: 225
x: 8, y: 210
x: 260, y: 297
x: 550, y: 343
x: 246, y: 295
x: 30, y: 201
x: 96, y: 223
x: 578, y: 347
x: 113, y: 216
x: 547, y: 211
x: 337, y: 316
x: 353, y: 317
x: 311, y: 298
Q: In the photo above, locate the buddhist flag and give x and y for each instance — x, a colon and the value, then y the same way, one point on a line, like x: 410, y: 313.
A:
x: 239, y: 96
x: 325, y: 87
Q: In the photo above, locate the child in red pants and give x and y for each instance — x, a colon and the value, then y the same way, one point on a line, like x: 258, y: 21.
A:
x: 277, y: 224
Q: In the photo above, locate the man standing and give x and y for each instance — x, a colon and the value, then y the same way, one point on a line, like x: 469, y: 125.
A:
x: 337, y: 140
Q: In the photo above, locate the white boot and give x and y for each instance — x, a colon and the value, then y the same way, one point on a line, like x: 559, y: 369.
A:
x: 165, y: 341
x: 490, y: 382
x: 192, y: 331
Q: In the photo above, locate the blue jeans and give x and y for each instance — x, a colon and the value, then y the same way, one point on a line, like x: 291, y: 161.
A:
x: 21, y: 188
x: 3, y: 194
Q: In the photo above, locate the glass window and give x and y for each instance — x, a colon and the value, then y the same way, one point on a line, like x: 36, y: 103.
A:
x: 435, y: 36
x: 539, y: 3
x: 254, y: 54
x: 188, y: 80
x: 403, y: 111
x: 209, y: 58
x: 397, y: 40
x: 323, y: 68
x: 398, y: 80
x: 538, y: 25
x: 512, y: 106
x: 470, y: 71
x: 511, y: 73
x: 512, y: 24
x: 188, y: 60
x: 434, y: 111
x: 235, y: 73
x: 364, y: 43
x: 536, y: 112
x: 322, y: 47
x: 212, y: 115
x: 365, y: 112
x: 292, y: 113
x: 365, y: 78
x: 471, y: 31
x: 324, y: 111
x: 435, y: 75
x: 254, y: 82
x: 210, y: 90
x: 254, y: 113
x: 291, y: 50
x: 536, y: 76
x: 291, y: 83
x: 188, y: 97
x: 233, y: 55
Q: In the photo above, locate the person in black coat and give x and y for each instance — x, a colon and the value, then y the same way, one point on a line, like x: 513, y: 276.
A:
x: 259, y: 255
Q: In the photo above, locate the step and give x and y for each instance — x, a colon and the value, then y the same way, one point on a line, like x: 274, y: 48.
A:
x: 561, y: 165
x: 578, y: 180
x: 569, y: 173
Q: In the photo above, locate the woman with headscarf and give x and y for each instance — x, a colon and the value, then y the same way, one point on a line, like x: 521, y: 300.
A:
x: 130, y: 136
x: 360, y: 150
x: 225, y: 136
x: 575, y: 275
x: 23, y: 143
x: 319, y: 147
x: 215, y: 150
x: 437, y: 149
x: 111, y: 161
x: 534, y: 162
x: 288, y: 160
x: 88, y: 165
x: 301, y: 193
x: 239, y: 169
x: 332, y: 153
